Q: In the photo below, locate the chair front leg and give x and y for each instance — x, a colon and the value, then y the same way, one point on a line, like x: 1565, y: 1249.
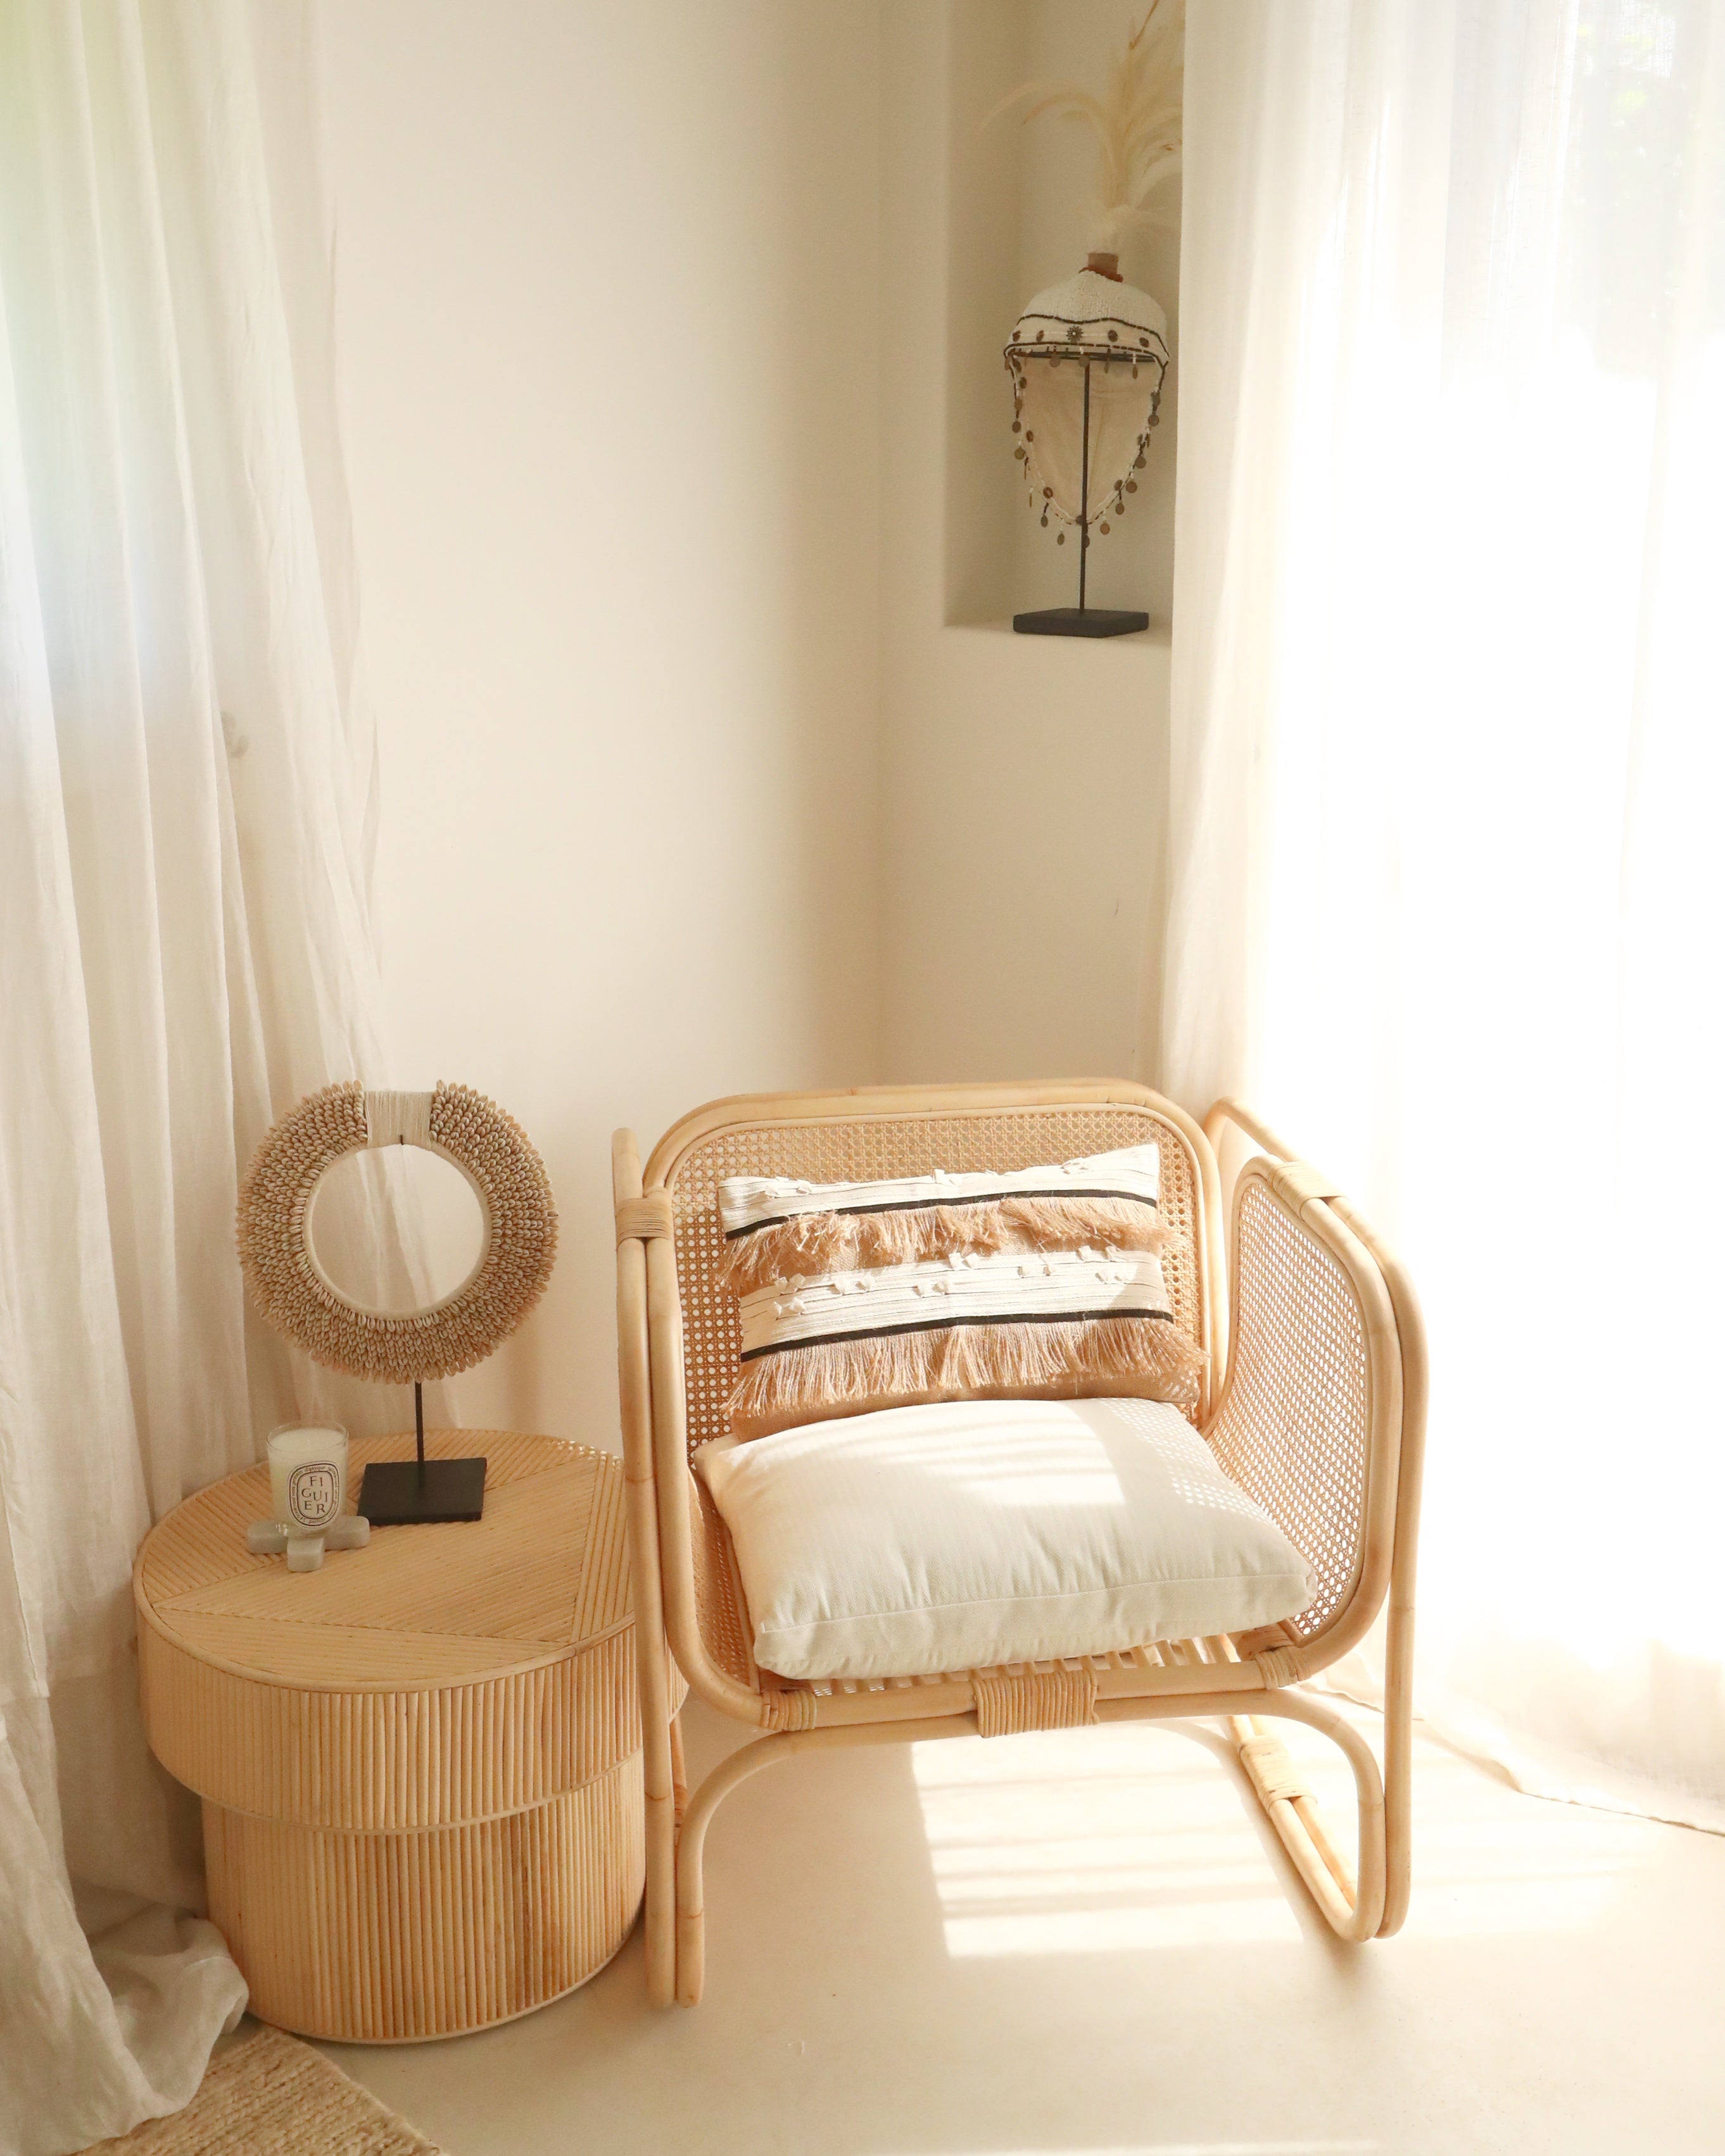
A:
x: 1351, y: 1905
x: 680, y: 1771
x: 691, y: 1842
x: 750, y: 1759
x: 660, y: 1751
x: 658, y: 1763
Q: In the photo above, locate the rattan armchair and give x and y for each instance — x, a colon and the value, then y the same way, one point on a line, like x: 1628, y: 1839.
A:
x: 1314, y: 1405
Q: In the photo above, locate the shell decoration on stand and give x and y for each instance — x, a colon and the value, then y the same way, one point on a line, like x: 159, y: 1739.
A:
x: 1114, y: 335
x: 296, y: 1295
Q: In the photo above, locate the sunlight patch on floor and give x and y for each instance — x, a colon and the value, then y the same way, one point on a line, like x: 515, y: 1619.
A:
x: 1118, y: 1839
x: 1479, y: 1873
x: 1097, y: 1841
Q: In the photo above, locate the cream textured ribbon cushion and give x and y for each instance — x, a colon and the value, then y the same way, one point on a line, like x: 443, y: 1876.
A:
x: 974, y: 1532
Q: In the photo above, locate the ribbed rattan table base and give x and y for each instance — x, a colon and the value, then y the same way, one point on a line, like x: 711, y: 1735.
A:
x: 430, y: 1933
x: 421, y: 1766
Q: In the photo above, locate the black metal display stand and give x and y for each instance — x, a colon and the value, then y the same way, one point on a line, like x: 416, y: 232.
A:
x: 1083, y: 619
x: 405, y: 1493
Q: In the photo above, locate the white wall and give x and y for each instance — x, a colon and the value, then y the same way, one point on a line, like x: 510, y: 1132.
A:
x: 1022, y: 834
x: 607, y: 324
x: 670, y: 339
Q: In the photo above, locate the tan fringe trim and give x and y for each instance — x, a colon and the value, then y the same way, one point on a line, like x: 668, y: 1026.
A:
x: 1040, y: 1699
x: 815, y: 1243
x: 1077, y: 1358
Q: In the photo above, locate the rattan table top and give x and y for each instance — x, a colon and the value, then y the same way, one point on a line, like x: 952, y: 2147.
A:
x: 542, y: 1576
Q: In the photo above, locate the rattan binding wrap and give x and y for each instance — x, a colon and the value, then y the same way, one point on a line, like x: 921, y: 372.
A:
x: 1037, y: 1699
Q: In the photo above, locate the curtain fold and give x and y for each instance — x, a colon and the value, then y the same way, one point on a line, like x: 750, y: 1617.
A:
x: 1445, y: 899
x: 186, y: 801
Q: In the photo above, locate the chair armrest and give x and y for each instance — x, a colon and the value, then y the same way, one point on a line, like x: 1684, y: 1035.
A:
x: 635, y: 1401
x: 1322, y: 1408
x: 1409, y: 1462
x: 663, y: 1528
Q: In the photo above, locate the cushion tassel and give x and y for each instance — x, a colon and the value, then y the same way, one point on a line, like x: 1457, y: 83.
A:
x: 1132, y: 1358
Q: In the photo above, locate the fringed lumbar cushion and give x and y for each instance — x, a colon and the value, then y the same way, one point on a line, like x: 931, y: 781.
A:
x: 775, y: 1228
x: 1039, y: 1283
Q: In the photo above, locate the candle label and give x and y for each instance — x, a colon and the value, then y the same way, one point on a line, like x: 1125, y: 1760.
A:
x: 314, y: 1494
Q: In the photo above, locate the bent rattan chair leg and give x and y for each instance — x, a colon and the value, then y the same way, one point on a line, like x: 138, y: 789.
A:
x: 1354, y: 1909
x: 680, y: 1771
x: 660, y: 1764
x: 692, y: 1837
x: 691, y: 1929
x: 1353, y: 1905
x: 1398, y: 1807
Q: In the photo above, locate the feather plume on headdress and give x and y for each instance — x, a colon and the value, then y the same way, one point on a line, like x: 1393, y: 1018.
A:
x: 1135, y: 122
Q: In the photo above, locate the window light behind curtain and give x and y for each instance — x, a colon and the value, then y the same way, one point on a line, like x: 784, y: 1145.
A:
x: 1448, y: 772
x: 185, y: 944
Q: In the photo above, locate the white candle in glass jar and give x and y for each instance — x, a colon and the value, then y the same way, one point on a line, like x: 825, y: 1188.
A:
x: 308, y: 1475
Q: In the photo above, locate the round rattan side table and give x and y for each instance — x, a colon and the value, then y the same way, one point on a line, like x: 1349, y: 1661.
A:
x: 421, y: 1766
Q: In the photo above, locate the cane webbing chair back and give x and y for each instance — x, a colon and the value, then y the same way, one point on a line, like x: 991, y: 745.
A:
x: 1294, y: 1429
x: 868, y: 1148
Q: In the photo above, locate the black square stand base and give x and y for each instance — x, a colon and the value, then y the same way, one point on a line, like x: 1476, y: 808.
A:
x: 1080, y: 621
x: 401, y: 1493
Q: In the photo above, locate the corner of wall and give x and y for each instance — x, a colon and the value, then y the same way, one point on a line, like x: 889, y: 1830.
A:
x: 1023, y: 791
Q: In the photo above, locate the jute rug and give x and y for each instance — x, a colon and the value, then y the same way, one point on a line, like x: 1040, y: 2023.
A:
x: 271, y: 2094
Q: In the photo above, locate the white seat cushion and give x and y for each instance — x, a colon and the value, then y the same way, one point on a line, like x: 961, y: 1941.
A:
x: 974, y: 1533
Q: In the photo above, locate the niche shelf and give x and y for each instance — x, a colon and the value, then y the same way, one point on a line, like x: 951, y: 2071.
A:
x: 1017, y: 200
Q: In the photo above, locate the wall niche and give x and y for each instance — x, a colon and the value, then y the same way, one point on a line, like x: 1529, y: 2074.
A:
x: 1017, y: 211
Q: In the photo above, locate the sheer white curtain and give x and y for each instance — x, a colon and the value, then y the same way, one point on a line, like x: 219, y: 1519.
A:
x: 1449, y: 757
x: 185, y: 790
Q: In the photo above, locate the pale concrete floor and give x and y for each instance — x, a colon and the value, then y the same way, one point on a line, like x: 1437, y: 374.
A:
x: 1089, y: 1943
